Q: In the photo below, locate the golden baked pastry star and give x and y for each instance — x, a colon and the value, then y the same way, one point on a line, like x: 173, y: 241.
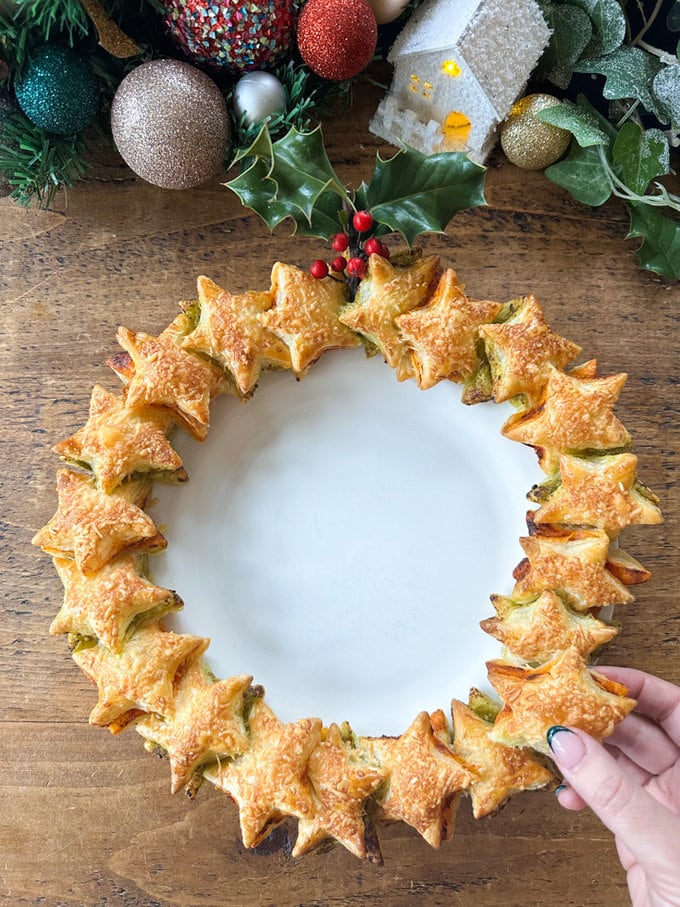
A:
x: 142, y: 678
x: 93, y: 527
x: 425, y: 779
x: 207, y: 723
x: 342, y: 779
x: 573, y: 564
x: 106, y: 604
x: 228, y: 332
x: 166, y: 375
x: 269, y: 781
x: 522, y: 349
x: 575, y: 414
x: 501, y: 770
x: 562, y: 691
x: 386, y: 292
x: 537, y: 630
x: 116, y: 443
x: 305, y: 314
x: 601, y: 492
x: 443, y: 333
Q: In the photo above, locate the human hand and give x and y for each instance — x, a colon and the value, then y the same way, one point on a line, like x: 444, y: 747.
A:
x: 633, y: 784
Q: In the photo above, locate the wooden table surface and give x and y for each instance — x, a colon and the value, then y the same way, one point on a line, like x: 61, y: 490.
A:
x: 87, y: 818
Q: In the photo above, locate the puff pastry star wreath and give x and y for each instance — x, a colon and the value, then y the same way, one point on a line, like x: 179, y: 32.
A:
x: 336, y: 784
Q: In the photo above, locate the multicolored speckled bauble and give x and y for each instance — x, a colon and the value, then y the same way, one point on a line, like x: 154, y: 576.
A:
x: 58, y: 90
x: 232, y: 35
x: 529, y: 142
x: 170, y: 124
x: 337, y: 38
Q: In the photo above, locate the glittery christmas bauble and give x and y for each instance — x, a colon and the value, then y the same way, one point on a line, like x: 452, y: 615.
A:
x: 528, y: 142
x: 337, y: 38
x: 258, y: 95
x: 170, y: 124
x: 58, y: 90
x: 232, y: 35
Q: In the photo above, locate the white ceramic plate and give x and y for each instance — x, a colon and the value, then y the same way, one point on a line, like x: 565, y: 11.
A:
x: 339, y: 539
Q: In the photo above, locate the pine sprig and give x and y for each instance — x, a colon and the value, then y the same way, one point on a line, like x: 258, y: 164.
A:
x: 36, y: 163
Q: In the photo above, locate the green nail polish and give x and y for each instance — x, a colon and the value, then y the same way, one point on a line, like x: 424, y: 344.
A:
x: 558, y: 790
x: 555, y: 729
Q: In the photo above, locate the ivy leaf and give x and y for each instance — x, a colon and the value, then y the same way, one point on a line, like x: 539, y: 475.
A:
x: 572, y: 32
x: 660, y: 249
x: 586, y: 125
x: 583, y: 174
x: 629, y: 73
x: 609, y: 25
x: 666, y: 89
x: 642, y: 156
x: 411, y: 193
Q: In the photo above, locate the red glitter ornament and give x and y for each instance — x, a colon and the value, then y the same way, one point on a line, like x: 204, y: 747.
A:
x: 233, y: 35
x: 337, y: 38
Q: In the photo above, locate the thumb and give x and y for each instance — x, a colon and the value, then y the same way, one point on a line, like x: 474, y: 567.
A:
x: 645, y: 826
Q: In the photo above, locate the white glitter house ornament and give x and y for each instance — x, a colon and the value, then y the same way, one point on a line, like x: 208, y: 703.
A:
x: 458, y: 68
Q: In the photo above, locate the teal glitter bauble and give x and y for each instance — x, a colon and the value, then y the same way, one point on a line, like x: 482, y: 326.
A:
x: 58, y: 90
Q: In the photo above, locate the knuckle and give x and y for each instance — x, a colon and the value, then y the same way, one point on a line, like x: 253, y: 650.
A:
x: 611, y: 794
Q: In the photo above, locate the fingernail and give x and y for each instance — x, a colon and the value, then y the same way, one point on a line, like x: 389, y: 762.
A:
x: 564, y: 743
x: 558, y: 790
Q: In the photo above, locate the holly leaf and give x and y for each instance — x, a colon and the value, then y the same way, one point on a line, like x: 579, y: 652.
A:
x: 608, y: 22
x: 660, y: 249
x: 572, y: 32
x: 411, y: 193
x: 586, y: 125
x: 629, y: 73
x: 641, y: 155
x: 583, y: 174
x: 258, y: 193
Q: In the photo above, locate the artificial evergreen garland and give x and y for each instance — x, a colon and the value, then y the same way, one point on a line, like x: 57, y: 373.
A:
x: 615, y: 64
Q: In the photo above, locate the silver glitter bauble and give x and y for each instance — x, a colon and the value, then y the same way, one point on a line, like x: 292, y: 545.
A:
x: 170, y: 124
x: 528, y: 142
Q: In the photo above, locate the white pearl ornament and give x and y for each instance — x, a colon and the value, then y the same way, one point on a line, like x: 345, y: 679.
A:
x: 387, y: 10
x: 258, y: 95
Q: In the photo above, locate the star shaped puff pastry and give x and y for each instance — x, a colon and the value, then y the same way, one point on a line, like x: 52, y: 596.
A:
x: 142, y: 678
x: 573, y: 564
x: 342, y: 779
x: 93, y: 527
x: 116, y: 443
x: 575, y: 414
x: 207, y: 723
x: 424, y: 779
x: 501, y: 770
x: 108, y: 603
x: 523, y: 349
x: 601, y: 492
x: 305, y: 315
x: 269, y: 781
x: 443, y: 334
x: 563, y: 691
x: 536, y: 631
x: 166, y: 375
x: 228, y: 332
x: 385, y: 293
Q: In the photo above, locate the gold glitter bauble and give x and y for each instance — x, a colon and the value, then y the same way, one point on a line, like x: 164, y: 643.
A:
x: 170, y: 124
x: 528, y: 142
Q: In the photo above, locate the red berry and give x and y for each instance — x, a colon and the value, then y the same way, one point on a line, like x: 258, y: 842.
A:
x: 373, y: 246
x: 356, y: 267
x: 340, y: 242
x: 319, y: 269
x: 363, y: 221
x: 338, y: 264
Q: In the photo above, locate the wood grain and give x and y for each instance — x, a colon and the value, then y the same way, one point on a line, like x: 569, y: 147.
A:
x: 87, y: 819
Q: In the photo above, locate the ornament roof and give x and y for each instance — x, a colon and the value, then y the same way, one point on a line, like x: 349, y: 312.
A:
x: 434, y: 26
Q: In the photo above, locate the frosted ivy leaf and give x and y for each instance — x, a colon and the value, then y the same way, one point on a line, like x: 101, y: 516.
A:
x: 609, y: 25
x: 666, y: 88
x: 629, y: 73
x: 571, y: 34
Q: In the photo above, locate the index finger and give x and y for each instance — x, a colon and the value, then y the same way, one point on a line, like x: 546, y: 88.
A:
x: 657, y: 699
